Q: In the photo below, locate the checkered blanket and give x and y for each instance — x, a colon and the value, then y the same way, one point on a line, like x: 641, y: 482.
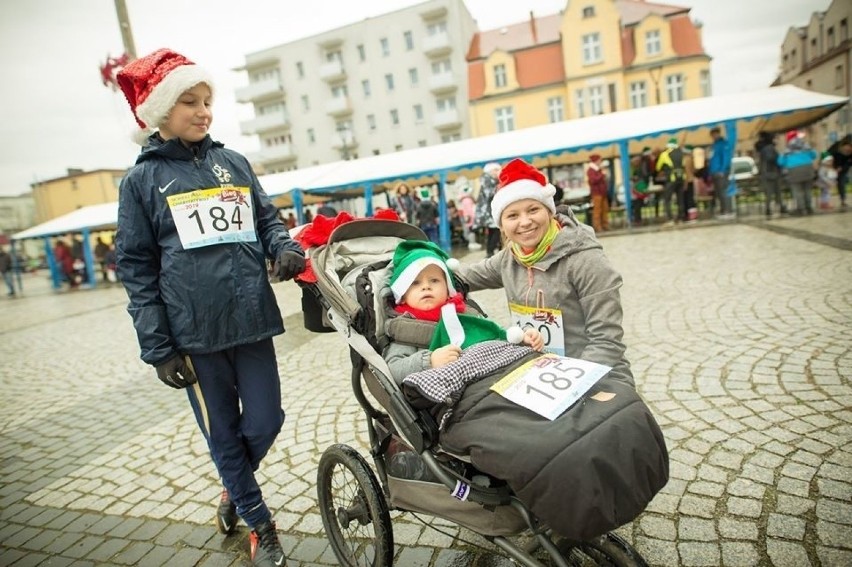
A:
x: 445, y: 385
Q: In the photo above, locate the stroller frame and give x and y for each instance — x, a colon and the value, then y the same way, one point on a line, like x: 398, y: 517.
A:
x: 357, y: 518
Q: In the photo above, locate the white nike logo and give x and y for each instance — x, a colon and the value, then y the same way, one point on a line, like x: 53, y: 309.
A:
x: 163, y: 189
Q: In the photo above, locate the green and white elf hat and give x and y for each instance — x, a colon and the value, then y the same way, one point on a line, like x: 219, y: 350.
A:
x: 409, y: 259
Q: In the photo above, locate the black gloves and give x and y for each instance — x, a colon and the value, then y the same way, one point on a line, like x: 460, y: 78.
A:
x: 289, y: 265
x: 175, y: 373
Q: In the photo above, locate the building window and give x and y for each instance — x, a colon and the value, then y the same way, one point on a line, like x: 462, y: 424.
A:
x: 442, y: 66
x: 555, y: 111
x: 421, y: 143
x: 638, y: 94
x: 306, y: 103
x: 500, y: 75
x: 446, y: 103
x: 365, y: 84
x: 397, y: 148
x: 340, y: 91
x: 844, y: 30
x: 418, y: 113
x: 436, y: 28
x: 385, y: 47
x: 579, y: 100
x: 389, y: 81
x: 830, y: 38
x: 311, y: 136
x: 592, y: 48
x: 596, y: 100
x: 362, y: 55
x: 504, y: 117
x: 653, y: 45
x: 447, y: 138
x: 409, y: 41
x: 838, y: 77
x: 704, y: 82
x: 674, y: 87
x: 589, y: 12
x: 371, y: 121
x: 333, y: 56
x: 412, y: 76
x: 300, y: 69
x: 394, y: 117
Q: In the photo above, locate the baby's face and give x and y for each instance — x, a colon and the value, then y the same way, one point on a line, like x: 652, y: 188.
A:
x: 429, y: 289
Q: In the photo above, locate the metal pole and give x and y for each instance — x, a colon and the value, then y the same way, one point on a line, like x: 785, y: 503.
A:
x: 126, y: 31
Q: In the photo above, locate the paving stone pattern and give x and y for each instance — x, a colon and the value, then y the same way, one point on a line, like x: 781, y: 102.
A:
x: 738, y: 335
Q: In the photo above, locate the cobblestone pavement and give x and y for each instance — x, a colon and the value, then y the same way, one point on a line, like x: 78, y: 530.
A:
x: 739, y: 336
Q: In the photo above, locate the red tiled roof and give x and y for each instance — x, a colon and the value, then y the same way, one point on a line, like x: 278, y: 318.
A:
x: 634, y: 11
x: 540, y: 66
x: 686, y: 39
x: 516, y: 36
x: 475, y: 79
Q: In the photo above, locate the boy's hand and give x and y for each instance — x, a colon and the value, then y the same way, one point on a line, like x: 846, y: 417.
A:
x: 534, y: 340
x: 445, y: 355
x: 289, y: 265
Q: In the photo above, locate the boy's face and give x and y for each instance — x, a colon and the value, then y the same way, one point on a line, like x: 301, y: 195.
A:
x: 191, y: 116
x: 428, y: 290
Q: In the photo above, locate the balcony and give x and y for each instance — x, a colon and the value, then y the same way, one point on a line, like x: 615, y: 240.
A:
x: 437, y: 45
x: 443, y: 82
x: 338, y: 106
x: 446, y: 119
x: 261, y: 90
x: 278, y: 152
x: 332, y: 71
x: 341, y: 141
x: 264, y: 123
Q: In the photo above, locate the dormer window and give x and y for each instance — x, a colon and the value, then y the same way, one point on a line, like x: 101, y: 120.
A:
x: 589, y: 12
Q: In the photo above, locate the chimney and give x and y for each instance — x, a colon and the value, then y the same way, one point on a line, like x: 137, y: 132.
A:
x: 532, y: 27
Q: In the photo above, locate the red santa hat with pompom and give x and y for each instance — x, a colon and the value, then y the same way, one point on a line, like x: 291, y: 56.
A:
x: 153, y: 84
x: 518, y: 181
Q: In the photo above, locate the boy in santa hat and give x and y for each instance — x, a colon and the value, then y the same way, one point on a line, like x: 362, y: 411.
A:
x: 195, y: 230
x: 554, y: 272
x: 422, y: 286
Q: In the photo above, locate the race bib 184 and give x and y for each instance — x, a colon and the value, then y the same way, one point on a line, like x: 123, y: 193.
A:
x: 550, y: 384
x: 213, y: 216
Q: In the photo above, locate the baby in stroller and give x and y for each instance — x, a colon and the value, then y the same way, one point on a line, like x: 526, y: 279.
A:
x: 539, y: 460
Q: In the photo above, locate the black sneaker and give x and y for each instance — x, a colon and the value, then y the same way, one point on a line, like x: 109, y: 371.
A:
x: 265, y: 548
x: 226, y: 514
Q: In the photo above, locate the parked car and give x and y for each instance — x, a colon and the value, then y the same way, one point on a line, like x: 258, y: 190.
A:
x: 745, y: 172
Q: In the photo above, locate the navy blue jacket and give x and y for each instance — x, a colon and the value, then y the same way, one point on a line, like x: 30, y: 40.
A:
x: 197, y: 300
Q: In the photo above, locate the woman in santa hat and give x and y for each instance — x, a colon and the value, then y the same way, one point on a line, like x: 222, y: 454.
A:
x: 554, y: 272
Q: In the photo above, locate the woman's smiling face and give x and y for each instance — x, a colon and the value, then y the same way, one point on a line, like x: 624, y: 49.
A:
x: 525, y: 222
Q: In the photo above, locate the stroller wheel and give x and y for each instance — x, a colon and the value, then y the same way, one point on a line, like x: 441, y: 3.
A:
x: 353, y: 509
x: 608, y: 550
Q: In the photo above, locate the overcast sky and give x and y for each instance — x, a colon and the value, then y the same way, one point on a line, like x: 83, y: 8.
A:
x: 56, y: 114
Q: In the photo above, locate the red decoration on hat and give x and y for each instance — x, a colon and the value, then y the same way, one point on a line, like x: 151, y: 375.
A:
x: 792, y: 134
x: 153, y: 84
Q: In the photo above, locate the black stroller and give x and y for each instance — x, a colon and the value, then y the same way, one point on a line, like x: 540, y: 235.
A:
x: 354, y: 498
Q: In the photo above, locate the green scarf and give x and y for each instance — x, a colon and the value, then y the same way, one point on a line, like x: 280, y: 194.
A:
x: 530, y: 259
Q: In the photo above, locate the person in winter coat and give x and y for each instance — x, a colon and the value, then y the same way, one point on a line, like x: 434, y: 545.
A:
x: 599, y: 192
x: 826, y: 180
x: 65, y: 262
x: 770, y: 173
x: 404, y: 203
x: 483, y: 220
x: 426, y: 214
x: 797, y: 163
x: 195, y: 231
x: 670, y: 163
x: 554, y: 272
x: 719, y: 168
x: 841, y: 153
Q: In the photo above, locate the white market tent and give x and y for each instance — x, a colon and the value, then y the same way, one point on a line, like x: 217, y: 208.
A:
x: 774, y: 109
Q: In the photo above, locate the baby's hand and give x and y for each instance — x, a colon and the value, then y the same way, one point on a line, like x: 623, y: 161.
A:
x: 533, y: 339
x: 445, y: 355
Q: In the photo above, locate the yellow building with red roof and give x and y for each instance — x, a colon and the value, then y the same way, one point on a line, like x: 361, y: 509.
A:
x: 594, y: 57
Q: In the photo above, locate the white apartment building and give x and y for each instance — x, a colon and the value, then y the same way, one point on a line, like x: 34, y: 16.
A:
x: 388, y: 83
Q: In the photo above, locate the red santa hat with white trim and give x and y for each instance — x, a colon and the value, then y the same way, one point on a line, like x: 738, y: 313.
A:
x: 520, y: 180
x: 153, y: 84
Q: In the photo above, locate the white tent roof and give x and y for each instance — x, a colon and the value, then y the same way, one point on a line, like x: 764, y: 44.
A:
x: 93, y: 217
x: 775, y: 109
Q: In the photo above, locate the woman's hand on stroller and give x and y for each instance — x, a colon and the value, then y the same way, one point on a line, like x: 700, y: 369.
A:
x: 444, y: 355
